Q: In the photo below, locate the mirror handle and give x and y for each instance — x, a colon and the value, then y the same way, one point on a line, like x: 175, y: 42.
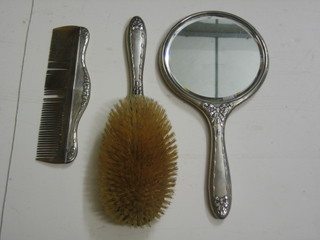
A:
x: 136, y: 41
x: 219, y: 180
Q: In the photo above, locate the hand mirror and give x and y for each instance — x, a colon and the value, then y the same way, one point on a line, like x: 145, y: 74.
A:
x: 214, y: 60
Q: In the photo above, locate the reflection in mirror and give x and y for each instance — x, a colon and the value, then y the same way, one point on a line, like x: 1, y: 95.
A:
x: 214, y: 57
x: 215, y: 61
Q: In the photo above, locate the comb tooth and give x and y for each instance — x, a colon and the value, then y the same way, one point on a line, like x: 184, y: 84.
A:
x: 47, y: 121
x: 53, y: 100
x: 46, y: 131
x: 55, y: 131
x: 45, y: 157
x: 48, y: 156
x: 43, y: 146
x: 54, y: 92
x: 51, y: 112
x: 48, y: 126
x: 48, y: 142
x: 51, y: 127
x: 45, y: 143
x: 48, y: 139
x: 47, y: 151
x: 51, y: 115
x: 52, y: 107
x: 49, y: 107
x: 46, y: 148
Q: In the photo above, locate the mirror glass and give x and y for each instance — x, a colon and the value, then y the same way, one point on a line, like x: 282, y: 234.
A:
x: 213, y: 57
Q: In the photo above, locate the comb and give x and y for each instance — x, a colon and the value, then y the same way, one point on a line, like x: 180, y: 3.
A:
x: 66, y: 95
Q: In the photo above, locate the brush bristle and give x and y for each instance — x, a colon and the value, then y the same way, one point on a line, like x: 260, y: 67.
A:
x: 138, y: 162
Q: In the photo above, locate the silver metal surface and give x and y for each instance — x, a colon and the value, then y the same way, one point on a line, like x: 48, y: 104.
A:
x: 216, y: 111
x: 136, y: 41
x: 81, y: 95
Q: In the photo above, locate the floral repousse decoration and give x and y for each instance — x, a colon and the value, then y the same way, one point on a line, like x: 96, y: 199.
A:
x: 219, y: 113
x: 222, y: 204
x: 137, y: 64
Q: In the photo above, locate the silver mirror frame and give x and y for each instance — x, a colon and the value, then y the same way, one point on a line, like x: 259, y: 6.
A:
x: 216, y: 110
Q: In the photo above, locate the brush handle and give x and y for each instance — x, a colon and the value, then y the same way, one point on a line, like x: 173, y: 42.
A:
x: 136, y: 48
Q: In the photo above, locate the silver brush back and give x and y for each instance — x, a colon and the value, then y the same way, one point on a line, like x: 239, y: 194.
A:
x: 67, y: 93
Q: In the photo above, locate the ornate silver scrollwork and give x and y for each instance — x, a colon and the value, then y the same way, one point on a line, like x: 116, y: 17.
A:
x: 84, y: 36
x: 72, y: 152
x: 136, y: 44
x: 137, y: 24
x: 86, y: 90
x: 81, y: 95
x: 222, y: 204
x: 218, y: 114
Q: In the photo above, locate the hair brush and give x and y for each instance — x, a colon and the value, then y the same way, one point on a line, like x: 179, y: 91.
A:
x: 138, y: 153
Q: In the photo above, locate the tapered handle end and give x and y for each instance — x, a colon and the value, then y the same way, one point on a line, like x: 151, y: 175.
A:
x: 136, y: 51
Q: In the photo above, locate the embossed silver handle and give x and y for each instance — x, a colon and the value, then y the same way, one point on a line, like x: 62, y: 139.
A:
x: 81, y: 95
x: 136, y: 48
x: 219, y: 180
